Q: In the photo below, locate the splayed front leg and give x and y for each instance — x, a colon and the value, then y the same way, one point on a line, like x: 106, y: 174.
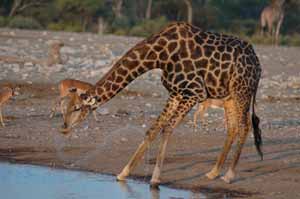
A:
x: 151, y: 134
x: 155, y: 180
x: 213, y: 174
x: 183, y: 108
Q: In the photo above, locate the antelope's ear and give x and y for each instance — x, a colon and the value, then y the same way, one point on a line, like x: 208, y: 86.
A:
x: 73, y: 90
x: 83, y: 96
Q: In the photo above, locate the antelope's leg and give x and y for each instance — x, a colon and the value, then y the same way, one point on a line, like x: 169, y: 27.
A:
x: 54, y: 107
x: 95, y: 115
x: 1, y: 118
x: 184, y: 107
x: 167, y: 113
x: 196, y: 114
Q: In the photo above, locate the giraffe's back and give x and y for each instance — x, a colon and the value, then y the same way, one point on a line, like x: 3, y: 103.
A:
x: 206, y: 64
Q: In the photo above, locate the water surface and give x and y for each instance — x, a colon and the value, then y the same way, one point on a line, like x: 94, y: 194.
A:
x: 19, y: 181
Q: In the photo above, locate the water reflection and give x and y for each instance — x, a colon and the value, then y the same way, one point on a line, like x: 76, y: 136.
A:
x: 35, y: 182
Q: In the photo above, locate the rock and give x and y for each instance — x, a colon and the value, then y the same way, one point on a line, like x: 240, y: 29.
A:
x: 68, y: 50
x: 153, y: 116
x: 103, y: 111
x: 85, y: 127
x: 101, y: 63
x: 28, y: 64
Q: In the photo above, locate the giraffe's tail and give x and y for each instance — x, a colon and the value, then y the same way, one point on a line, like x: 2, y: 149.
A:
x: 256, y: 129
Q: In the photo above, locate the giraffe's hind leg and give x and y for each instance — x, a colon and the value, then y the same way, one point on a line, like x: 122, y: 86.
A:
x: 151, y: 134
x: 230, y: 115
x: 184, y: 107
x: 243, y: 130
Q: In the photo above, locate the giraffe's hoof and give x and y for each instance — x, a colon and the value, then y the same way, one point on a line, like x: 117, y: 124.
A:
x: 121, y: 178
x: 226, y: 179
x: 154, y: 184
x: 212, y: 175
x: 229, y: 176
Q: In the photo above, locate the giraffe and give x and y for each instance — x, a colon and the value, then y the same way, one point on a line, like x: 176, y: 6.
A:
x: 196, y: 65
x: 272, y: 15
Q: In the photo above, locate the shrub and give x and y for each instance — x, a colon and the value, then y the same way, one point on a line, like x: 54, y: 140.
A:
x: 148, y: 27
x: 246, y: 26
x: 3, y: 21
x: 121, y: 32
x: 120, y: 23
x: 24, y: 23
x: 70, y: 27
x: 291, y: 40
x: 261, y: 39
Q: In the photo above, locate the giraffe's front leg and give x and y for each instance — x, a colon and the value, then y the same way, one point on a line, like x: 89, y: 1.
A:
x: 171, y: 105
x: 155, y: 181
x: 151, y: 134
x: 184, y: 107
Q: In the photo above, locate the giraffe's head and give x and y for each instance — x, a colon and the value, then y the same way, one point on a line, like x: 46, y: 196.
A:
x: 78, y: 109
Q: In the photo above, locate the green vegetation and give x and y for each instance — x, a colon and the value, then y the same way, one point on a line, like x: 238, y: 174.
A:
x: 145, y: 17
x: 24, y: 23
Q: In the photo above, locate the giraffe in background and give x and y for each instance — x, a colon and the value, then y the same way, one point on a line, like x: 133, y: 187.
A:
x: 272, y: 17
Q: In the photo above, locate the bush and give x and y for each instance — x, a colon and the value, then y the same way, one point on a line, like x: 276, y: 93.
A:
x: 70, y: 27
x: 291, y: 40
x: 120, y: 23
x: 24, y: 23
x: 261, y: 39
x: 3, y: 21
x: 245, y: 26
x: 148, y: 27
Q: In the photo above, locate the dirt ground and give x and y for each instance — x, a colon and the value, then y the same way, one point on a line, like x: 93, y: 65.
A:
x: 105, y: 146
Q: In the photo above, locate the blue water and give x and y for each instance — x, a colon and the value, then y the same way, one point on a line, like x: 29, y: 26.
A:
x: 19, y: 181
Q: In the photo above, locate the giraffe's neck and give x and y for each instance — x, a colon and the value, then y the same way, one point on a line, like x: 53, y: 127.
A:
x: 136, y: 62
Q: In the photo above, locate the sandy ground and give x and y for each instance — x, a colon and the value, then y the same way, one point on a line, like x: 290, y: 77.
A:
x: 106, y: 146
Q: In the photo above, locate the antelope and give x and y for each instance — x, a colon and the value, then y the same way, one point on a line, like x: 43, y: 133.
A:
x: 66, y: 88
x: 213, y: 103
x: 6, y: 93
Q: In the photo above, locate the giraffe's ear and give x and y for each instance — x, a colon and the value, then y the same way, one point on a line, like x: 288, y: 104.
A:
x: 73, y: 90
